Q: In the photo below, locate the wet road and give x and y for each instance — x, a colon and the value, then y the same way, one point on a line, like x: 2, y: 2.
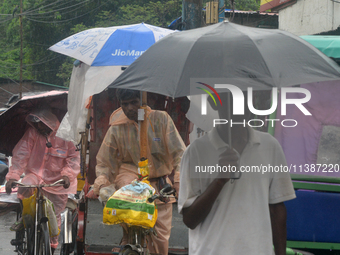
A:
x: 6, y: 235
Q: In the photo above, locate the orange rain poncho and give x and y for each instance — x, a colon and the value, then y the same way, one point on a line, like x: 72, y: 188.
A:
x: 31, y: 156
x: 118, y: 158
x: 119, y: 154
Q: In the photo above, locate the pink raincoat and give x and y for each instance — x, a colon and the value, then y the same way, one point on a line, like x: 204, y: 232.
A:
x: 31, y: 156
x: 46, y: 165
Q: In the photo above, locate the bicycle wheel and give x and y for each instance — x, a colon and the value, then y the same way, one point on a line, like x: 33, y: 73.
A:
x: 65, y: 249
x: 20, y: 242
x: 30, y: 240
x: 129, y: 251
x: 44, y: 240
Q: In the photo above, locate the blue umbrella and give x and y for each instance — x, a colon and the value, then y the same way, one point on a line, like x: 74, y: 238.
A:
x: 111, y: 46
x: 104, y: 51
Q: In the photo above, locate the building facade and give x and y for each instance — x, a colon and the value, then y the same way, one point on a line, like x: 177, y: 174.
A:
x: 306, y: 17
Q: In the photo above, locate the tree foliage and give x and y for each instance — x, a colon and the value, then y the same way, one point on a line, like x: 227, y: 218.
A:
x: 45, y: 22
x: 244, y: 5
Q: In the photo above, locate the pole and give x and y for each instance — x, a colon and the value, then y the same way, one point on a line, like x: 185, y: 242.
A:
x: 192, y: 13
x: 221, y: 8
x: 21, y: 40
x: 144, y: 128
x: 229, y: 117
x: 85, y: 141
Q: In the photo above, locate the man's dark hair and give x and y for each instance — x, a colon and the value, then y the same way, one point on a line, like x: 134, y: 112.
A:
x: 127, y: 94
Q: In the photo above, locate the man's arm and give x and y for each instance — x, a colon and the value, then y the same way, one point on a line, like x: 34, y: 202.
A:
x: 107, y: 162
x: 200, y: 208
x: 21, y: 155
x: 176, y: 148
x: 72, y: 167
x: 281, y: 189
x: 278, y: 217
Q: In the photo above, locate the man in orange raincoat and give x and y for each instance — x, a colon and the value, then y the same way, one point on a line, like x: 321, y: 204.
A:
x: 45, y: 158
x: 119, y: 154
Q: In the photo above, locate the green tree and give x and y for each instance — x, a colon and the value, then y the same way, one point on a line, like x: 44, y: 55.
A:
x: 244, y: 5
x: 46, y: 22
x: 153, y: 13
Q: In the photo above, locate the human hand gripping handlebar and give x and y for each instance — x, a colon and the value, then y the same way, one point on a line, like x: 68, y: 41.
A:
x: 60, y: 182
x: 166, y: 192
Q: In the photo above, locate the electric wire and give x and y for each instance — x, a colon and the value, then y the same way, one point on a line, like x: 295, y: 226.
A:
x: 28, y: 13
x: 39, y: 44
x: 8, y: 67
x: 6, y: 91
x: 15, y: 81
x: 3, y: 21
x: 259, y: 21
x: 61, y: 21
x: 39, y: 8
x: 53, y: 16
x: 33, y: 7
x: 43, y: 62
x: 45, y: 18
x: 56, y: 10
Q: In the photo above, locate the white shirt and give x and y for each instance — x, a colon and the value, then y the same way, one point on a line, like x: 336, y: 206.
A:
x: 239, y: 221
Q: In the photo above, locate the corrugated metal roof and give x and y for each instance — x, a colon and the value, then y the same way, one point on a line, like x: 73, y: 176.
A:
x: 253, y: 12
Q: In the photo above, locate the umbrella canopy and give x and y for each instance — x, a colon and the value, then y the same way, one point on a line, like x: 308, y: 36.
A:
x: 104, y: 51
x: 238, y: 55
x: 111, y: 46
x: 13, y: 121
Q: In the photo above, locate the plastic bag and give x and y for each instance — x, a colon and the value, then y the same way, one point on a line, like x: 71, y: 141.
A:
x: 52, y: 218
x: 130, y: 205
x: 28, y: 211
x: 106, y: 192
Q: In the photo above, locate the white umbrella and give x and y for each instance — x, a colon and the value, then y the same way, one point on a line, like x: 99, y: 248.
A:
x: 102, y: 52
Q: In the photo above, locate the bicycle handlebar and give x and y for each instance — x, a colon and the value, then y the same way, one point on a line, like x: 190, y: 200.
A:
x: 55, y: 184
x: 166, y: 192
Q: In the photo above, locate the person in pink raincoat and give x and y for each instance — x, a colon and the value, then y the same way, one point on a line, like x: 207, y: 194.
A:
x: 45, y: 158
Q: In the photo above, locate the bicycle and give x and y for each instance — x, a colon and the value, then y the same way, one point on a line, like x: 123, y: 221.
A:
x: 68, y: 230
x: 34, y: 238
x: 137, y: 235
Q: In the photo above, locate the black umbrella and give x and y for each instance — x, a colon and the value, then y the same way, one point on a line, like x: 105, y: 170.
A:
x: 235, y: 54
x: 13, y: 121
x: 230, y: 54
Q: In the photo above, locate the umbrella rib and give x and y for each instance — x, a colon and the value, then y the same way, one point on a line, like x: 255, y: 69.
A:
x: 185, y: 62
x: 267, y: 67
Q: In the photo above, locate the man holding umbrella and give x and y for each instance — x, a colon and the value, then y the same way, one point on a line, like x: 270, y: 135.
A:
x: 244, y: 57
x: 45, y: 158
x: 226, y: 216
x: 119, y: 154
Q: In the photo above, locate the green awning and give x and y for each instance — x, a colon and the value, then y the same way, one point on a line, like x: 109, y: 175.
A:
x: 329, y: 45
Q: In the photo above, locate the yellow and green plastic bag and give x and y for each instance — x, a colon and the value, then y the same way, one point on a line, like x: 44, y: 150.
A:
x: 130, y: 205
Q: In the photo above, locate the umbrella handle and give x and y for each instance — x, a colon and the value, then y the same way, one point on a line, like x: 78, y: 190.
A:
x: 229, y: 127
